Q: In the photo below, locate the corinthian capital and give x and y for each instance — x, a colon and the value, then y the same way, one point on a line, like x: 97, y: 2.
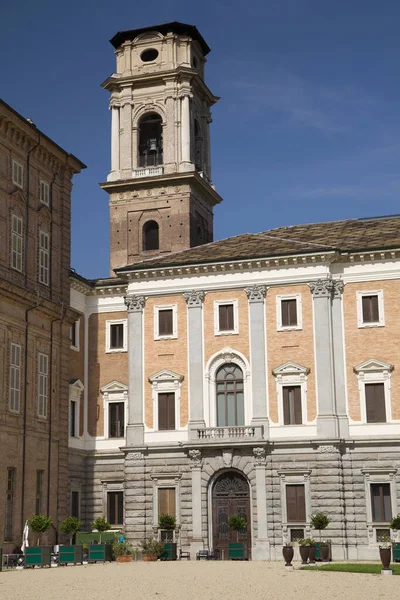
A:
x: 256, y: 293
x: 338, y: 287
x: 134, y: 303
x: 322, y: 288
x: 194, y: 298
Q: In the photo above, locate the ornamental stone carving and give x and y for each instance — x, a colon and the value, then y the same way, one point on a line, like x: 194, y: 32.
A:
x: 338, y: 287
x: 322, y: 288
x: 227, y: 457
x: 194, y: 298
x: 327, y: 449
x: 195, y: 458
x: 256, y: 293
x: 259, y: 456
x: 135, y: 456
x: 134, y: 303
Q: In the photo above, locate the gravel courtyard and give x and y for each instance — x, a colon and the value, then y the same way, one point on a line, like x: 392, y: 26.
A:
x: 191, y: 581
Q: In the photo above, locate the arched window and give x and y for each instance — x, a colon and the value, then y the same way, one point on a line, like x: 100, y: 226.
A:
x: 230, y: 400
x: 198, y: 146
x: 150, y: 140
x: 150, y: 236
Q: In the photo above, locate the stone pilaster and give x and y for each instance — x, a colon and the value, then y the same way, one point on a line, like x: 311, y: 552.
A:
x: 196, y: 543
x: 135, y: 497
x: 126, y: 138
x: 135, y: 427
x: 195, y: 301
x: 327, y: 422
x: 256, y: 296
x: 185, y: 133
x: 169, y: 133
x: 339, y: 359
x: 261, y: 550
x: 114, y: 138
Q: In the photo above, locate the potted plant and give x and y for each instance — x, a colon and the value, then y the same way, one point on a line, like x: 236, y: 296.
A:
x: 320, y: 520
x: 395, y: 526
x: 122, y: 551
x: 100, y: 552
x: 238, y: 524
x: 304, y: 550
x: 167, y: 526
x: 38, y: 555
x: 385, y: 548
x: 312, y: 550
x: 151, y: 549
x: 288, y: 553
x: 70, y: 553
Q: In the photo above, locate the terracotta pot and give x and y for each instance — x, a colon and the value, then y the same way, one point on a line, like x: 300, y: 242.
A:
x: 385, y: 554
x: 150, y: 557
x: 324, y: 552
x: 304, y: 553
x: 288, y: 552
x: 311, y: 556
x: 124, y: 558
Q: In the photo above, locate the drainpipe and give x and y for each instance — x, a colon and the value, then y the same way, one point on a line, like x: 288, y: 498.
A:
x: 28, y: 157
x: 60, y: 318
x: 27, y: 311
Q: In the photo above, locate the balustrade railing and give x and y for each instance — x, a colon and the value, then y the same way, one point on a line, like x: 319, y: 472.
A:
x: 229, y: 433
x: 148, y: 171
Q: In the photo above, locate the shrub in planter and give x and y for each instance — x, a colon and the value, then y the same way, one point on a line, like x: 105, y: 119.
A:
x: 304, y: 551
x: 312, y: 549
x: 288, y: 553
x: 122, y: 551
x: 167, y: 522
x: 237, y: 524
x: 39, y: 524
x: 152, y: 549
x: 101, y: 524
x: 70, y: 526
x: 320, y: 520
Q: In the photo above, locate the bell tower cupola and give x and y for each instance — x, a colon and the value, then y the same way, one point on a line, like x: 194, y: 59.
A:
x: 161, y: 195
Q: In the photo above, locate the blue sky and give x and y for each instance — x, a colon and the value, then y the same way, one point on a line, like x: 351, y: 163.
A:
x: 307, y: 128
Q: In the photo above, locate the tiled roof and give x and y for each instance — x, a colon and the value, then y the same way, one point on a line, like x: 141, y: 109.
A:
x: 354, y: 235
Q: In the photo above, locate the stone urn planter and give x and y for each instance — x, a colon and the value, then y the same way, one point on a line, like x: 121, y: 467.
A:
x: 312, y: 554
x: 288, y: 553
x: 304, y: 553
x: 324, y: 551
x: 385, y: 555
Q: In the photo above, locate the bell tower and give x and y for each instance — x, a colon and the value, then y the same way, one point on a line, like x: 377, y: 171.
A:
x: 161, y: 195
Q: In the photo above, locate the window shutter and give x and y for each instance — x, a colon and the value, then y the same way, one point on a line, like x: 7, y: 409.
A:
x: 165, y: 322
x: 289, y: 312
x: 375, y: 402
x: 171, y: 411
x: 292, y: 312
x: 381, y: 502
x: 297, y: 405
x: 370, y: 309
x: 301, y: 503
x: 291, y: 504
x: 374, y: 309
x: 167, y: 501
x: 162, y: 412
x: 286, y: 407
x: 120, y: 500
x: 226, y: 317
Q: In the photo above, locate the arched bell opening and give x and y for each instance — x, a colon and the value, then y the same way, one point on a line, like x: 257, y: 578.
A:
x: 150, y: 140
x: 151, y: 236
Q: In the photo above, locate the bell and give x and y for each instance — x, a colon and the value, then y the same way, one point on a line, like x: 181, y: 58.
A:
x: 152, y: 145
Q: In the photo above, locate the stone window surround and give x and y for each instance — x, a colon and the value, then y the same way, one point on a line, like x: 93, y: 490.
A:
x: 279, y: 326
x: 166, y: 382
x: 112, y: 392
x: 374, y: 371
x: 19, y: 367
x: 114, y: 485
x: 293, y: 477
x: 166, y: 480
x: 225, y: 356
x: 76, y: 488
x: 174, y: 308
x: 360, y: 322
x: 124, y: 348
x: 77, y: 325
x: 19, y: 180
x: 43, y: 185
x: 378, y: 475
x: 288, y: 374
x: 14, y: 237
x: 235, y: 329
x: 75, y: 392
x: 44, y: 257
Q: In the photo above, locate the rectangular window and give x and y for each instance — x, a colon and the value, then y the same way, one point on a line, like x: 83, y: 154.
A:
x: 44, y: 257
x: 39, y: 492
x: 75, y: 504
x: 116, y: 419
x: 296, y: 535
x: 292, y: 405
x: 15, y: 377
x: 116, y: 336
x: 74, y: 335
x: 115, y: 508
x: 289, y: 312
x: 370, y: 309
x: 166, y: 411
x: 43, y: 374
x: 16, y: 243
x: 165, y: 322
x: 9, y: 516
x: 44, y: 193
x: 296, y: 503
x: 167, y: 501
x: 375, y: 402
x: 72, y: 418
x: 380, y: 502
x: 226, y: 317
x: 17, y: 174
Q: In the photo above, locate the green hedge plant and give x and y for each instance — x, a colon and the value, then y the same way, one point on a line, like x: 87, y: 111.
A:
x: 320, y: 521
x: 167, y: 522
x: 122, y: 548
x: 152, y: 547
x: 101, y: 524
x: 39, y: 524
x: 70, y: 526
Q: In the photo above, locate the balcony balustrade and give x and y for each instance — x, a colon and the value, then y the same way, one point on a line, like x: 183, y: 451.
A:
x: 148, y: 171
x: 211, y: 434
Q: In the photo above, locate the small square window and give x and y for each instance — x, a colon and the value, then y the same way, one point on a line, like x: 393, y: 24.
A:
x: 226, y: 317
x: 288, y: 312
x: 296, y: 535
x: 165, y: 322
x: 116, y: 336
x: 44, y: 193
x: 382, y: 535
x: 17, y: 174
x: 370, y: 309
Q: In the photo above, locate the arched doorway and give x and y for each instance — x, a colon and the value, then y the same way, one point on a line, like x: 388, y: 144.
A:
x: 230, y: 495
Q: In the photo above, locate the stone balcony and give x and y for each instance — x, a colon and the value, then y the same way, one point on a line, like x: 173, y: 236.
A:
x: 148, y: 172
x: 229, y: 434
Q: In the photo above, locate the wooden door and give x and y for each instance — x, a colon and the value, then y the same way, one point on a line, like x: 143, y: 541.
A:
x: 230, y: 496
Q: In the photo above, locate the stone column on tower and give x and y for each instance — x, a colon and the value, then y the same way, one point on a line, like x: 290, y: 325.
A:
x: 185, y: 132
x: 115, y: 139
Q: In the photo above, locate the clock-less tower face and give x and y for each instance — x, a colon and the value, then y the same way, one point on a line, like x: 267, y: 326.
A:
x: 161, y: 197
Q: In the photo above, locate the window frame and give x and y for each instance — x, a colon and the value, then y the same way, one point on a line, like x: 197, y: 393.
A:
x: 295, y: 477
x: 157, y: 310
x: 45, y: 395
x: 18, y: 369
x: 9, y: 519
x: 378, y: 475
x: 162, y: 393
x: 17, y: 243
x: 166, y: 480
x: 109, y: 323
x: 120, y: 493
x: 77, y: 326
x: 291, y: 374
x: 292, y: 386
x: 279, y: 299
x: 44, y: 258
x: 39, y: 489
x: 75, y: 392
x: 374, y: 371
x: 217, y: 304
x: 78, y: 492
x: 112, y: 392
x: 359, y: 297
x: 18, y: 169
x: 112, y: 403
x: 166, y: 382
x: 45, y: 188
x: 226, y: 392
